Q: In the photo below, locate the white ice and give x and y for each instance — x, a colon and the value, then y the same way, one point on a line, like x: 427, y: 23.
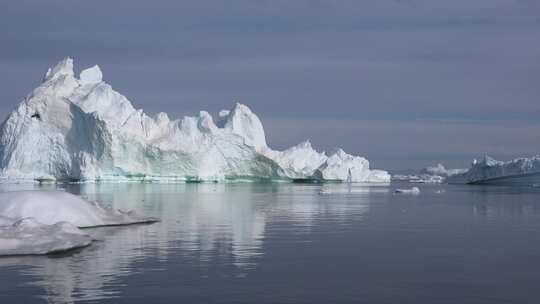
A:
x: 413, y: 190
x: 429, y: 175
x: 81, y: 129
x: 341, y: 166
x: 28, y: 236
x: 51, y: 207
x: 440, y: 170
x: 40, y: 222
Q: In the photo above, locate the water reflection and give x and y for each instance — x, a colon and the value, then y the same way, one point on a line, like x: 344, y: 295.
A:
x: 494, y: 202
x: 201, y: 223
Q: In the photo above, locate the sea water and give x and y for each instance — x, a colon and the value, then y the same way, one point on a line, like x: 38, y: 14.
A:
x: 295, y: 243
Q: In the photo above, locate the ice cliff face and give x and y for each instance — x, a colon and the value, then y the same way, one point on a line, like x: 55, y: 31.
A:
x: 73, y: 128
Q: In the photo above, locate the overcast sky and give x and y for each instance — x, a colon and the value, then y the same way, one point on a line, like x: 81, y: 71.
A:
x: 406, y: 83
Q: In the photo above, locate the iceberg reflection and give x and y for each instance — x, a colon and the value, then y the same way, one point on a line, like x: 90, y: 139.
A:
x: 201, y: 224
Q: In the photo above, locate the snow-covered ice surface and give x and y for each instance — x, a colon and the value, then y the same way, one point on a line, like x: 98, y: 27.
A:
x: 41, y: 222
x: 30, y: 237
x: 51, y: 207
x: 341, y: 166
x: 299, y: 161
x: 489, y: 170
x: 80, y: 129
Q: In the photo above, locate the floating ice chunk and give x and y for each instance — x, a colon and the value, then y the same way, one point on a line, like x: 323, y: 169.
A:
x: 413, y: 190
x: 427, y: 179
x: 325, y: 191
x: 51, y: 207
x: 28, y: 236
x: 365, y: 190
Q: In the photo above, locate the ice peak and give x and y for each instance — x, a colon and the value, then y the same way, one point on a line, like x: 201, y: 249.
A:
x: 162, y: 117
x: 305, y: 144
x: 91, y: 75
x: 241, y: 108
x: 242, y: 121
x: 339, y: 152
x: 64, y: 67
x: 489, y: 161
x: 206, y: 123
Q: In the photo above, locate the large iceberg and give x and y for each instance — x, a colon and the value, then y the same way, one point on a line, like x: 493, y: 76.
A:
x: 80, y: 129
x: 524, y: 171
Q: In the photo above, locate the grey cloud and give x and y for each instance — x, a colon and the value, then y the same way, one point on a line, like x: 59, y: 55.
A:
x: 313, y: 60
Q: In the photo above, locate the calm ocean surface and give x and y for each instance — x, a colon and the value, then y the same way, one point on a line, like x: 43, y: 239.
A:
x: 286, y: 243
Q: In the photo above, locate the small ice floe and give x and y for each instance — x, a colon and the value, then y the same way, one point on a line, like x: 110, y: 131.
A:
x: 439, y: 191
x: 353, y: 190
x: 325, y: 192
x: 30, y: 237
x: 42, y: 222
x: 413, y: 190
x: 51, y: 207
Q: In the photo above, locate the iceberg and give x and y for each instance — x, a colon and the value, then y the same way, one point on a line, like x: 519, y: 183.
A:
x: 430, y: 175
x: 520, y: 171
x: 440, y: 170
x: 80, y: 129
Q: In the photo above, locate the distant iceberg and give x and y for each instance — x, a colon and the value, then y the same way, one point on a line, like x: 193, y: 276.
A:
x: 430, y: 175
x: 520, y: 171
x: 440, y: 170
x: 80, y: 129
